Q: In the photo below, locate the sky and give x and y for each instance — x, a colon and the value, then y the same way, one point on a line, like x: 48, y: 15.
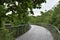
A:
x: 46, y: 6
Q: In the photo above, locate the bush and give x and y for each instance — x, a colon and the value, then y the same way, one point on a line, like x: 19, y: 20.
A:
x: 5, y: 35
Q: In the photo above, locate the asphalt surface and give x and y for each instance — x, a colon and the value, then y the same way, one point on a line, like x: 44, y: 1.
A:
x: 36, y: 33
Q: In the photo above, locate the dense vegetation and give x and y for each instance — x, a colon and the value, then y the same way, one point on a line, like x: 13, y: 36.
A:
x: 49, y: 20
x: 19, y: 10
x: 50, y: 17
x: 19, y: 15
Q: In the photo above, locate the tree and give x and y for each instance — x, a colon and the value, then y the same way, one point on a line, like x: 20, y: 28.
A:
x: 19, y: 10
x: 56, y: 16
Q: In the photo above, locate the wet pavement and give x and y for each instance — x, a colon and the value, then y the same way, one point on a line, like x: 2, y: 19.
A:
x: 36, y: 33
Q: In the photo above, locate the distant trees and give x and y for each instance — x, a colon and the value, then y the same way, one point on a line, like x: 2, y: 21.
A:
x: 49, y: 17
x: 56, y: 16
x: 44, y: 18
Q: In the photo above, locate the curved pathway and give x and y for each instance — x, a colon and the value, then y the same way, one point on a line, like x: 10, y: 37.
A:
x: 36, y: 33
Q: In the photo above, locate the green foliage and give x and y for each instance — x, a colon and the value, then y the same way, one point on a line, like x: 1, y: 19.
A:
x: 49, y: 17
x: 56, y: 16
x: 5, y: 35
x: 19, y: 14
x: 44, y: 18
x: 19, y: 10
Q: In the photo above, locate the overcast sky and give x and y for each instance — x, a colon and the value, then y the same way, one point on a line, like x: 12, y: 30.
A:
x: 46, y: 6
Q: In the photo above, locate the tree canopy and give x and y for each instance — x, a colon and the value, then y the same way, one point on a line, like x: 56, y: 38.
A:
x: 19, y: 10
x: 19, y: 15
x: 50, y: 17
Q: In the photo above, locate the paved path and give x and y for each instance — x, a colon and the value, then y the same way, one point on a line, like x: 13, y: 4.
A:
x: 36, y: 33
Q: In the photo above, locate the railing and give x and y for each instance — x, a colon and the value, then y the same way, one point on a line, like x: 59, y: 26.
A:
x: 56, y: 29
x: 18, y: 31
x: 14, y: 32
x: 53, y: 29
